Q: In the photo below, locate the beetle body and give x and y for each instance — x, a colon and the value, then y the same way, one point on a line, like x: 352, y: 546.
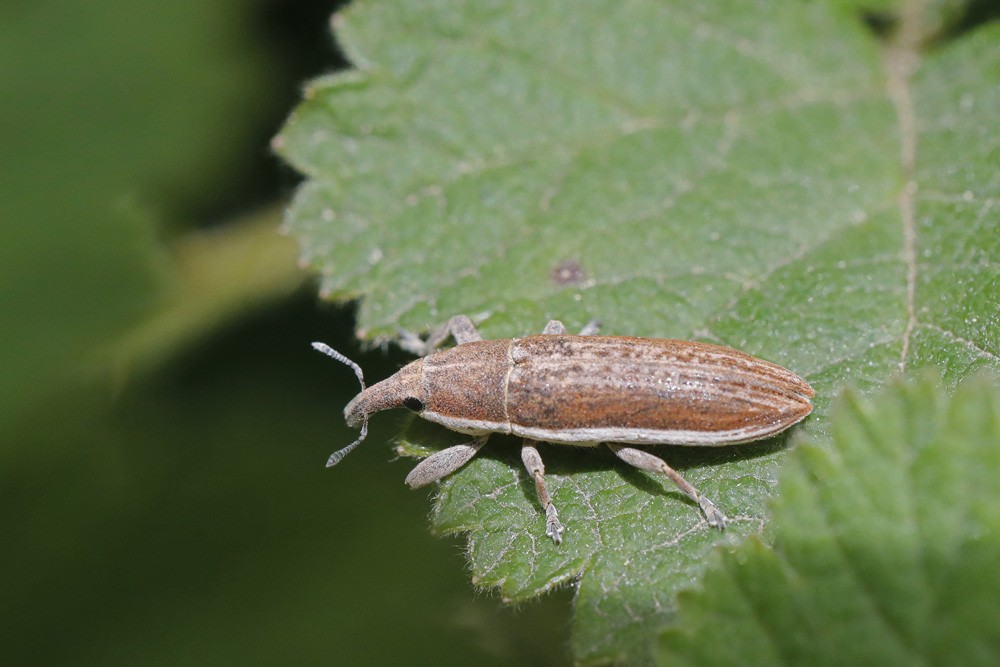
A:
x: 583, y: 390
x: 586, y: 390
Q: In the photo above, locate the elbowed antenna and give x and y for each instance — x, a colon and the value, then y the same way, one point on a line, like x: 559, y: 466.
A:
x: 336, y: 457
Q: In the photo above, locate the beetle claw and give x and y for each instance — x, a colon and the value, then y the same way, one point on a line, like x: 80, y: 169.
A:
x: 713, y: 515
x: 553, y: 527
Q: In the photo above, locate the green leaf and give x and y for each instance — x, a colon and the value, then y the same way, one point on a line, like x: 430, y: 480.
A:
x: 886, y: 545
x: 780, y: 181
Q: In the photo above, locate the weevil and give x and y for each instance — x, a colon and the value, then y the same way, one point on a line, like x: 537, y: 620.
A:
x: 581, y: 390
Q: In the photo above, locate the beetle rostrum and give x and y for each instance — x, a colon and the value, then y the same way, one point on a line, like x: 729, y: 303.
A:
x: 582, y: 390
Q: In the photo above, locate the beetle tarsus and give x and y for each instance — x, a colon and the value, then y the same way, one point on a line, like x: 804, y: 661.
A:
x: 553, y: 527
x: 713, y: 515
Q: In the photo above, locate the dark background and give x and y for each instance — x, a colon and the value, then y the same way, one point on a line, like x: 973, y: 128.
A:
x: 163, y: 422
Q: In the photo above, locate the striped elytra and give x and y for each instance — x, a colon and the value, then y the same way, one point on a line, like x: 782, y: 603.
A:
x: 592, y: 389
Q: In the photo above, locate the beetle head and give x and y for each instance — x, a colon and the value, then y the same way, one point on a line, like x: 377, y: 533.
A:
x: 402, y: 390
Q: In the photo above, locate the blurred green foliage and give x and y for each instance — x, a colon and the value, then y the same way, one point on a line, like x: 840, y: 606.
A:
x: 178, y: 511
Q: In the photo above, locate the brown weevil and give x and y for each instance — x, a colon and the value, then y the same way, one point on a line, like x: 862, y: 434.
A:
x: 582, y: 390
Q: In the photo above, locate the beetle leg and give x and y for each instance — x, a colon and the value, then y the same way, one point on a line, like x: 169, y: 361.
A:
x: 646, y: 461
x: 459, y: 327
x: 463, y: 330
x: 412, y: 343
x: 443, y: 463
x: 533, y: 462
x: 554, y: 327
x: 557, y: 327
x: 591, y: 328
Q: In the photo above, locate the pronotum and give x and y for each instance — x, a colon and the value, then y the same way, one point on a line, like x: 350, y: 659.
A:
x: 582, y: 390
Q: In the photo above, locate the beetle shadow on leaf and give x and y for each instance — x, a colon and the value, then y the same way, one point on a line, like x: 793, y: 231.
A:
x: 683, y: 457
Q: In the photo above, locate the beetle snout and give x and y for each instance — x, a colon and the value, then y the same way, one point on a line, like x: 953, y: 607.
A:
x: 397, y: 391
x: 372, y: 399
x: 354, y: 413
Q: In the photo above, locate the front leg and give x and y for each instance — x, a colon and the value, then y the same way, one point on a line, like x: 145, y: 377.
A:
x: 459, y: 327
x: 443, y: 463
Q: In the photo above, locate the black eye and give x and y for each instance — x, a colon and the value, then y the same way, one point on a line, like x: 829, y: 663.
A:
x: 413, y: 403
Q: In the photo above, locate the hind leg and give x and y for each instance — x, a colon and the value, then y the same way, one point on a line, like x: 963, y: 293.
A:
x: 533, y: 462
x: 646, y: 461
